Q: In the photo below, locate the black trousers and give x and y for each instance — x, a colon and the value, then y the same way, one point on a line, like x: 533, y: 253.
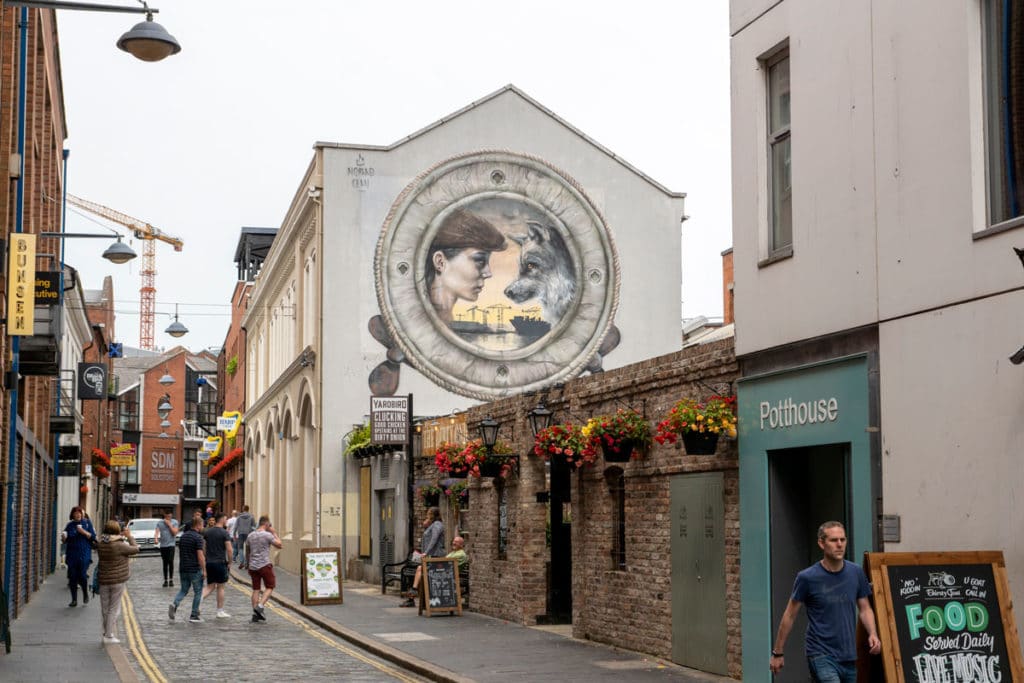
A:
x: 167, y: 555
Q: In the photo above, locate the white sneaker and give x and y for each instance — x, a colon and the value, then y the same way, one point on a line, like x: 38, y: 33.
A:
x: 110, y: 640
x: 221, y: 614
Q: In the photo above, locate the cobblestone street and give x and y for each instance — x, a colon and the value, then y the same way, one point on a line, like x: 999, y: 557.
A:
x: 285, y: 647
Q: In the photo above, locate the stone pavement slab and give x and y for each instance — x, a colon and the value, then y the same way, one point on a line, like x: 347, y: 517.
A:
x: 52, y: 642
x: 472, y: 647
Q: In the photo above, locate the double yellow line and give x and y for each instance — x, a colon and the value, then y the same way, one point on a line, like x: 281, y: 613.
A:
x: 137, y: 644
x: 316, y: 633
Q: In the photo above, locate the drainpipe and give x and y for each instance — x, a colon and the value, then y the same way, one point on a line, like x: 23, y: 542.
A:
x: 19, y: 219
x: 60, y: 305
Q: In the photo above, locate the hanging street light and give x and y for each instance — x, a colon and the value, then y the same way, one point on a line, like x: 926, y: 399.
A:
x: 176, y: 329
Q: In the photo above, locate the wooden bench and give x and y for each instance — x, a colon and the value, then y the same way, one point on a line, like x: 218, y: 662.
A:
x: 403, y: 572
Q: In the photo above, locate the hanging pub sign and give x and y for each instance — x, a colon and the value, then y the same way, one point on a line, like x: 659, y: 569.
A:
x: 229, y: 422
x: 122, y: 455
x: 47, y: 287
x: 92, y: 381
x: 945, y: 617
x: 21, y: 290
x: 390, y: 417
x: 211, y: 448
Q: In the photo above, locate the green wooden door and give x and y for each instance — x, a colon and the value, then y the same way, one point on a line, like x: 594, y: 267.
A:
x: 698, y: 572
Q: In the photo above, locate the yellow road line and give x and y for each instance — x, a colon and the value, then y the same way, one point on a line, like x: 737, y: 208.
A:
x: 136, y: 643
x: 310, y: 630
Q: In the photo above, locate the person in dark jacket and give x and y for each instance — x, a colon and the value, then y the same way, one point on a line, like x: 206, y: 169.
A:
x: 243, y: 527
x: 113, y: 572
x: 78, y: 535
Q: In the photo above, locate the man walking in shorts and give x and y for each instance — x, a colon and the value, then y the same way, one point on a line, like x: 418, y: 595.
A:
x: 218, y: 555
x: 261, y: 571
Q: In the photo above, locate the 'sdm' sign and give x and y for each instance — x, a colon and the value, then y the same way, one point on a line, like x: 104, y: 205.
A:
x: 945, y: 617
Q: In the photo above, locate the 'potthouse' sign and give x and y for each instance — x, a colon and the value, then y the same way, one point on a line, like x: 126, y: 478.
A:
x: 389, y: 419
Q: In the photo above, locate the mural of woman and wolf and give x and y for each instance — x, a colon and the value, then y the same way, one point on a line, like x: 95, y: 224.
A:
x: 495, y: 274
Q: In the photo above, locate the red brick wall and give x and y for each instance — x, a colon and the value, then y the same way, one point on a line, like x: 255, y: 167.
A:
x: 33, y: 523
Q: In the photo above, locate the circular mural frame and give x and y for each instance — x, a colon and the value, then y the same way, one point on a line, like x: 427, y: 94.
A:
x: 556, y: 245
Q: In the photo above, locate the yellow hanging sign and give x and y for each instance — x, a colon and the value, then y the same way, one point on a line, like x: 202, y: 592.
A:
x: 21, y: 285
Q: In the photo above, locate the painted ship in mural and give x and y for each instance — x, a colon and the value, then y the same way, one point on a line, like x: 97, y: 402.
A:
x: 497, y: 333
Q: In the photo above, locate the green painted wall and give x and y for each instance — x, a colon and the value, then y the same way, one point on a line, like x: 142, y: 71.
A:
x: 835, y: 400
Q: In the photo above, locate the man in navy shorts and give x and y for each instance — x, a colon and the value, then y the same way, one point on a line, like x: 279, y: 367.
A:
x: 836, y: 594
x: 218, y: 555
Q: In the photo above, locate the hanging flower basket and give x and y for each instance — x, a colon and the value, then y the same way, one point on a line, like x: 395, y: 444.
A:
x: 623, y: 451
x: 430, y: 494
x: 460, y: 492
x: 474, y: 460
x: 700, y: 443
x: 699, y: 424
x: 622, y: 435
x: 565, y: 442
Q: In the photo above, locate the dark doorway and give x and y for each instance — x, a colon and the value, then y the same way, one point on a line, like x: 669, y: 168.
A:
x: 806, y: 486
x: 387, y: 527
x: 560, y: 569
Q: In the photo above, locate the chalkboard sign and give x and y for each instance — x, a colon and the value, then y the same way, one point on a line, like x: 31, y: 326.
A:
x: 945, y: 617
x: 441, y: 589
x: 321, y: 576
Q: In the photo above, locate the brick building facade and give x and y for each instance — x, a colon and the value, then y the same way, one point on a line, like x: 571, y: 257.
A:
x: 27, y: 466
x: 628, y: 605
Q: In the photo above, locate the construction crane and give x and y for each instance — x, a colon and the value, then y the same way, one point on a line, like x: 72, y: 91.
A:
x: 501, y: 311
x: 149, y: 235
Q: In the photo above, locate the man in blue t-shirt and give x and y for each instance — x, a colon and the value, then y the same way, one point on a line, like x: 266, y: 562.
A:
x: 836, y: 594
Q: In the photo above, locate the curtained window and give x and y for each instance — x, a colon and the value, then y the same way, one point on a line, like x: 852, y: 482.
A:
x: 1003, y: 22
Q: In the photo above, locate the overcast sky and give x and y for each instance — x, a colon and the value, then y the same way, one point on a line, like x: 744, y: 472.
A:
x: 218, y: 136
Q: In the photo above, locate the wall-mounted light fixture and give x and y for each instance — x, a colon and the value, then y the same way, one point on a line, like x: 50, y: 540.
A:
x: 540, y: 418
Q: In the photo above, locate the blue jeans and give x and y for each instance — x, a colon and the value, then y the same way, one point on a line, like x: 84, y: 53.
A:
x: 193, y: 580
x: 239, y: 547
x: 825, y: 669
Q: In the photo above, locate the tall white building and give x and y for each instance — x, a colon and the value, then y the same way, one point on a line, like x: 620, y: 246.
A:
x: 495, y: 252
x: 878, y: 192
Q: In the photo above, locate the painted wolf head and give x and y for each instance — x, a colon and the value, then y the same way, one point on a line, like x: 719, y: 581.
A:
x: 545, y: 271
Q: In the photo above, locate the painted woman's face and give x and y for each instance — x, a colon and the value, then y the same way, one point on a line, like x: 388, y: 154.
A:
x: 463, y: 275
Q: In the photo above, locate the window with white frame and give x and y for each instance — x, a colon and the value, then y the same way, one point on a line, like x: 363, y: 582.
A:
x: 1003, y: 22
x: 780, y: 174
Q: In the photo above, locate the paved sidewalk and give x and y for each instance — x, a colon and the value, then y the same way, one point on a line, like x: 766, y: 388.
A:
x: 472, y: 647
x: 53, y: 642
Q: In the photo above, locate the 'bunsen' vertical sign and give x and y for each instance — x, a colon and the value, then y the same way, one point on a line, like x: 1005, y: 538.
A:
x: 21, y: 285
